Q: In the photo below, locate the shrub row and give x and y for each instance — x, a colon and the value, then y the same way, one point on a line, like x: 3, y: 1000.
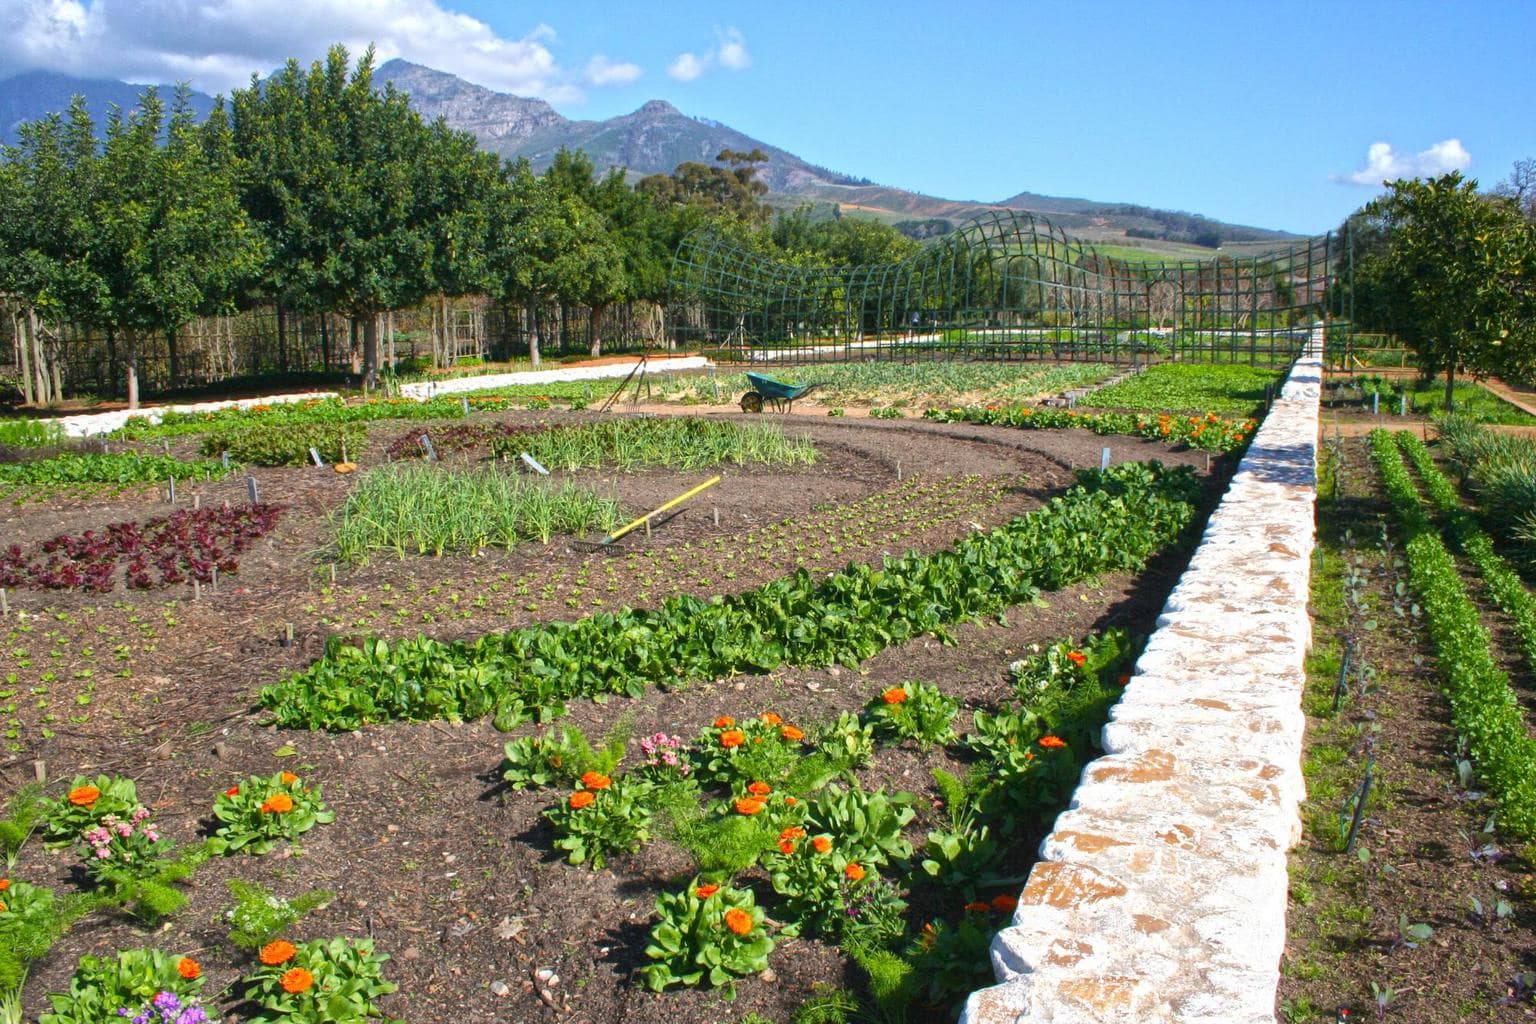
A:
x: 1110, y: 521
x: 1209, y: 432
x: 114, y: 468
x: 1484, y: 708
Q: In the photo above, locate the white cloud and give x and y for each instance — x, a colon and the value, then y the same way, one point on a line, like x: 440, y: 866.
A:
x: 602, y: 71
x: 1383, y: 164
x: 218, y: 44
x: 729, y: 51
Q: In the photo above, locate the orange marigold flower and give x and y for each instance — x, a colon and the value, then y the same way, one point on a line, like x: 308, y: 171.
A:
x: 277, y: 803
x: 793, y: 832
x: 297, y: 980
x: 288, y: 778
x: 789, y: 732
x: 749, y: 805
x: 895, y: 695
x: 821, y: 844
x: 1052, y: 742
x: 232, y: 791
x: 84, y: 796
x: 980, y: 908
x: 854, y: 872
x: 5, y: 883
x: 759, y: 789
x: 2, y: 908
x: 790, y: 801
x: 706, y: 890
x: 786, y: 846
x: 1005, y: 903
x: 188, y: 968
x: 732, y: 738
x: 738, y: 921
x: 581, y: 798
x: 771, y: 718
x: 1076, y: 657
x: 595, y: 780
x: 724, y: 722
x: 279, y: 952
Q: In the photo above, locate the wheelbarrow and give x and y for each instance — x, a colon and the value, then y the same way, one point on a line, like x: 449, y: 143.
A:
x: 767, y: 391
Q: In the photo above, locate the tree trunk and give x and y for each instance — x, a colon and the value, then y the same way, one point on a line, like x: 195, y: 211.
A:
x: 44, y: 393
x: 370, y: 350
x: 594, y: 330
x: 533, y: 334
x: 23, y: 358
x: 133, y: 370
x: 389, y: 339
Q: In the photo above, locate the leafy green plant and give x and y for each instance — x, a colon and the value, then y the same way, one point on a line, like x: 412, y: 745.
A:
x: 828, y: 891
x: 331, y: 981
x: 952, y: 960
x: 763, y: 749
x: 85, y: 803
x: 706, y: 934
x: 286, y: 444
x: 562, y: 755
x: 1207, y: 432
x: 114, y: 468
x: 724, y: 845
x: 865, y: 827
x: 600, y: 819
x: 24, y: 813
x: 1002, y: 739
x: 914, y: 711
x: 258, y: 916
x: 263, y: 811
x: 31, y: 921
x: 103, y: 985
x: 847, y: 740
x: 1219, y: 387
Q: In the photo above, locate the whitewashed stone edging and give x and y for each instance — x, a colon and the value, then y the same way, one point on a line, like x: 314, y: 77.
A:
x: 423, y: 390
x: 88, y: 424
x: 1160, y: 895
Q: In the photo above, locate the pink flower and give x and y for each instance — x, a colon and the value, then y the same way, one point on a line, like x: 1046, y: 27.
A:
x: 102, y: 853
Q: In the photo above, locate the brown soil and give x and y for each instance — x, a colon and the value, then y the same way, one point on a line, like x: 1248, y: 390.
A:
x: 1421, y: 828
x: 452, y: 874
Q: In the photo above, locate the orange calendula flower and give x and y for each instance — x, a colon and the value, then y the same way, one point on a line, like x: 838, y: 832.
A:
x: 1005, y: 903
x: 1124, y: 679
x: 288, y: 778
x: 1076, y: 657
x: 1052, y: 742
x: 895, y: 695
x: 595, y: 780
x: 581, y: 799
x: 5, y: 883
x: 232, y: 791
x: 749, y: 805
x: 724, y: 722
x: 759, y: 789
x: 732, y: 738
x: 821, y: 844
x: 188, y: 968
x: 706, y: 890
x: 2, y: 908
x: 297, y: 980
x: 771, y: 718
x: 279, y: 952
x: 979, y: 908
x: 277, y: 803
x: 854, y: 872
x: 789, y: 732
x: 793, y: 832
x: 84, y: 796
x: 738, y: 921
x: 790, y: 801
x: 786, y: 846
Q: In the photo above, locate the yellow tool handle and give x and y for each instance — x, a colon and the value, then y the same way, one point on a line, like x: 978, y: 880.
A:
x: 616, y: 534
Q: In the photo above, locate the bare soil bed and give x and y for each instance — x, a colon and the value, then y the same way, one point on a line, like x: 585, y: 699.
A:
x: 451, y: 873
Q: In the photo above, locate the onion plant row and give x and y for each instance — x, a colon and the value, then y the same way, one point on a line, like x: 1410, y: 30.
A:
x: 1484, y: 708
x: 1501, y: 471
x: 424, y: 510
x: 1504, y: 584
x: 684, y: 444
x: 1110, y: 521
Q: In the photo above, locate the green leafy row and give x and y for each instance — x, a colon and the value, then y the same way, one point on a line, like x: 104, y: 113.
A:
x: 1189, y: 386
x: 1208, y: 432
x: 292, y: 414
x: 1110, y: 521
x: 1484, y: 708
x: 111, y: 468
x: 1504, y: 584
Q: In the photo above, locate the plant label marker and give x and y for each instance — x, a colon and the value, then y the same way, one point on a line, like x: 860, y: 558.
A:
x: 5, y: 606
x: 1402, y: 404
x: 251, y: 489
x: 315, y: 454
x: 464, y: 404
x: 40, y: 771
x: 197, y: 501
x: 898, y: 470
x: 1104, y: 459
x: 426, y: 442
x: 224, y: 458
x: 1376, y: 403
x: 171, y: 491
x: 717, y: 515
x: 287, y: 640
x: 214, y: 577
x: 533, y: 464
x: 197, y: 590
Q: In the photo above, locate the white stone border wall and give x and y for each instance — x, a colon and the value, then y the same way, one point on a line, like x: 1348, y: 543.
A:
x: 91, y: 423
x: 1160, y: 896
x: 423, y: 390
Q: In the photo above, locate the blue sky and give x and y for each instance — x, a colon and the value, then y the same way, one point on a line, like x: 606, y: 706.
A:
x: 1252, y: 112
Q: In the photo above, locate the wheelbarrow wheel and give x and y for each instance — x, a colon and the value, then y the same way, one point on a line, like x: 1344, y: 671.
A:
x: 751, y: 402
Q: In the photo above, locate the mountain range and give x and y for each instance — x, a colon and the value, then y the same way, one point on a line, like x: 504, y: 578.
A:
x: 655, y: 139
